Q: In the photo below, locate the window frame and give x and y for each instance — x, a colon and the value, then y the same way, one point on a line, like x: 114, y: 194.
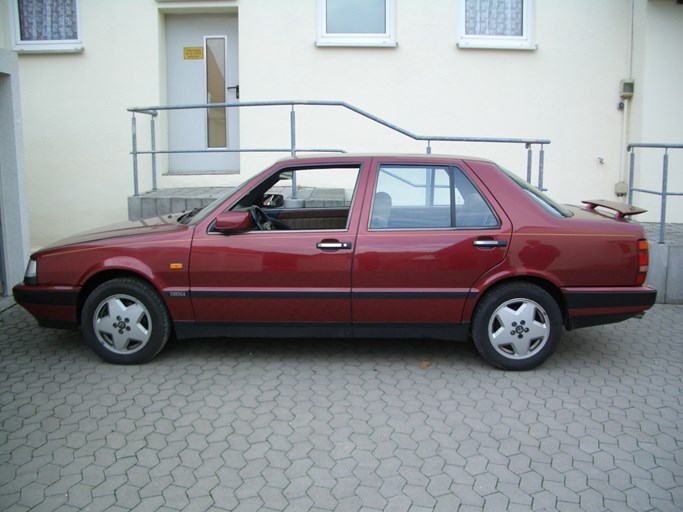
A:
x: 498, y: 42
x: 454, y: 173
x: 44, y: 46
x: 382, y: 40
x: 250, y: 196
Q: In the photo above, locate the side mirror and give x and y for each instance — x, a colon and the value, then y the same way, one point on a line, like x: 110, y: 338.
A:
x: 234, y: 222
x: 273, y: 201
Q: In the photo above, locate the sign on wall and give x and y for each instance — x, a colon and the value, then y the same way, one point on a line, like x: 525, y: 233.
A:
x: 193, y: 52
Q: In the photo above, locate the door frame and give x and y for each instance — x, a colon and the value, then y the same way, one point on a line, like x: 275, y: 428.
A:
x: 14, y: 240
x: 195, y: 149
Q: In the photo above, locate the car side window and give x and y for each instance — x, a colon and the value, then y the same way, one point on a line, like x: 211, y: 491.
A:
x: 474, y: 211
x: 306, y: 198
x: 427, y: 197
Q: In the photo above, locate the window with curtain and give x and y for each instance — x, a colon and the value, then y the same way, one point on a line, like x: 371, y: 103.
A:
x: 494, y: 17
x: 46, y: 25
x: 356, y: 23
x: 503, y: 24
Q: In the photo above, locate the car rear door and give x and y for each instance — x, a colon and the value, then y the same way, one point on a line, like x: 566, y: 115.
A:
x: 285, y: 276
x: 427, y: 232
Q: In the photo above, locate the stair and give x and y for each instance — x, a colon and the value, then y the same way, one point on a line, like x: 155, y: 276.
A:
x: 171, y: 200
x: 176, y: 200
x: 666, y: 262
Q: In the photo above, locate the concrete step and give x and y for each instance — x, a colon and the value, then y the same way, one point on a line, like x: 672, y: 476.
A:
x: 666, y: 260
x: 171, y: 200
x: 176, y: 200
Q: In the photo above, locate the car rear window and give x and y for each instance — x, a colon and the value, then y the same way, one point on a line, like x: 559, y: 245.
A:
x: 541, y: 199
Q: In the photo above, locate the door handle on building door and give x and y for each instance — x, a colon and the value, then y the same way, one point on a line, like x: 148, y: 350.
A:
x: 237, y: 90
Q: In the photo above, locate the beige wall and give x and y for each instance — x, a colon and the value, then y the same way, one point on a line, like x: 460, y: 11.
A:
x: 77, y: 130
x: 658, y: 104
x: 566, y: 91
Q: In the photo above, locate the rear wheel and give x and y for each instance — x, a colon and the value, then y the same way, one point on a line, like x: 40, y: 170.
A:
x: 517, y: 326
x: 125, y: 321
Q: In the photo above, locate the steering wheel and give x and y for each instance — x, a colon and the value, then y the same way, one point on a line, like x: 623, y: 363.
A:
x: 260, y: 218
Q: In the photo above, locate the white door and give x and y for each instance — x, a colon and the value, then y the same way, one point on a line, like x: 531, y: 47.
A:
x: 201, y: 58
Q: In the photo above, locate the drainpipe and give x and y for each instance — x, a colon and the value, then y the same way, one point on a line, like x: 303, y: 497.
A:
x: 622, y: 185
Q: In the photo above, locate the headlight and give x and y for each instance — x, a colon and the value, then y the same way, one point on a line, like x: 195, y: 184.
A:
x: 31, y: 275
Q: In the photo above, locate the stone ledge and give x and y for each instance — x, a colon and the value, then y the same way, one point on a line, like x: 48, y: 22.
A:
x: 666, y: 272
x: 176, y: 200
x: 666, y: 262
x: 172, y: 200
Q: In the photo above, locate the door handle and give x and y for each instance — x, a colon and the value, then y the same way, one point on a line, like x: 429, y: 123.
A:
x: 237, y: 90
x: 490, y: 243
x: 333, y: 246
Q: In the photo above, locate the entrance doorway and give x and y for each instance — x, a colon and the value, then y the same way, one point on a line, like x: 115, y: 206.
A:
x: 202, y: 67
x: 14, y: 244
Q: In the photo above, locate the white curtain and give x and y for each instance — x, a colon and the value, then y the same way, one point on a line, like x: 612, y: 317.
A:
x: 48, y: 20
x: 494, y: 17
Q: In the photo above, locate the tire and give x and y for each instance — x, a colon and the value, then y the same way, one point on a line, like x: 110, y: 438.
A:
x: 125, y: 321
x: 517, y: 326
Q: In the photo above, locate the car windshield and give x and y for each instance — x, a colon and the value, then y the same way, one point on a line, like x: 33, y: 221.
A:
x: 543, y: 200
x: 199, y: 214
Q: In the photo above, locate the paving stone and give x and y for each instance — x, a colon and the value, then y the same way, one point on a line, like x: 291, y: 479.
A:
x: 359, y: 425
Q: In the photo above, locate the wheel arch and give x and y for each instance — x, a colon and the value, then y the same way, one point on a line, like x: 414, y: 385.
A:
x: 107, y: 275
x: 542, y: 283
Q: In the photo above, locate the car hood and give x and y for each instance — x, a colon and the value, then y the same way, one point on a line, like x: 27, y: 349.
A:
x: 164, y: 224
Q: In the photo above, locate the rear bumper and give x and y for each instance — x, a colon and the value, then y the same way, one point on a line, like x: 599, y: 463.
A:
x: 52, y: 306
x: 597, y: 306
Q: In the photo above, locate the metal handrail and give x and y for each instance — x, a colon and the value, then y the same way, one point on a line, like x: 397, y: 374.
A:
x: 664, y: 192
x: 293, y: 149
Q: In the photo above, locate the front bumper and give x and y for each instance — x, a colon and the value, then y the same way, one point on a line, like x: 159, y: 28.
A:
x: 52, y: 306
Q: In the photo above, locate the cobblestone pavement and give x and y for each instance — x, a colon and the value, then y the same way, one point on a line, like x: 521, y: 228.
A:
x: 329, y: 426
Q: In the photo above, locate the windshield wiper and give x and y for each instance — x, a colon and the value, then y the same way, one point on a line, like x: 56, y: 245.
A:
x: 187, y: 216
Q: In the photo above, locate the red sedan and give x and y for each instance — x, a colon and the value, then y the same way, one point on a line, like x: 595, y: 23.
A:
x: 365, y: 246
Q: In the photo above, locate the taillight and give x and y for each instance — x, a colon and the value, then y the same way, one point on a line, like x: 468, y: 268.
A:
x: 643, y: 261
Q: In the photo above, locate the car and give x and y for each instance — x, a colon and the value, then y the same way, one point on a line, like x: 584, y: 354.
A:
x: 390, y: 246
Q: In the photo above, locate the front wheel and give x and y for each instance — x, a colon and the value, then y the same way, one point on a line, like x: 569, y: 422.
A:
x: 125, y: 321
x: 517, y: 326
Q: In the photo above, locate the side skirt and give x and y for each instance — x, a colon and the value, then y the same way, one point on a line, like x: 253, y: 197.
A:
x: 454, y: 332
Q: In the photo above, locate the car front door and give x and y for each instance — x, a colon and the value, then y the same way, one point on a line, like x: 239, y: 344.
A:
x: 298, y: 273
x: 426, y: 234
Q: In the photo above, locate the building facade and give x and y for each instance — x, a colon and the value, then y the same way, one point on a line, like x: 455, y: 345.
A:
x: 541, y: 69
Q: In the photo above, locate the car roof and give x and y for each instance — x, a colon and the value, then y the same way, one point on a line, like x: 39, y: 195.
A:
x: 394, y: 156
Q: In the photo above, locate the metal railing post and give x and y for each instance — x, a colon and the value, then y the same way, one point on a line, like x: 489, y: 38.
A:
x: 528, y: 162
x: 292, y: 130
x: 541, y: 163
x: 292, y: 141
x: 154, y: 153
x: 135, y: 156
x: 664, y: 191
x: 665, y: 179
x: 631, y: 175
